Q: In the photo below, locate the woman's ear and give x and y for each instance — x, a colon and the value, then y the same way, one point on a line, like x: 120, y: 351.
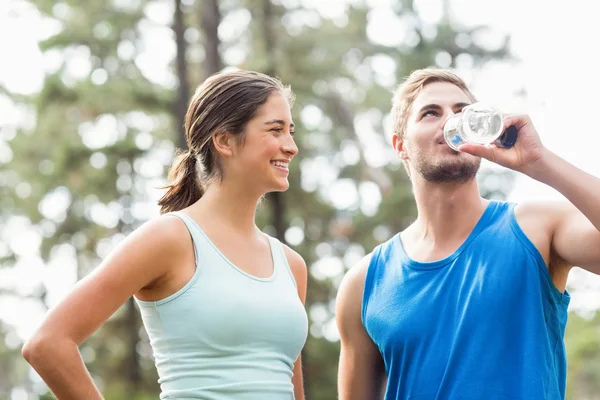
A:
x: 224, y: 143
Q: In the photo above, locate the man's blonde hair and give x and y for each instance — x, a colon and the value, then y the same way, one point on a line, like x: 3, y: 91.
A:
x: 408, y: 91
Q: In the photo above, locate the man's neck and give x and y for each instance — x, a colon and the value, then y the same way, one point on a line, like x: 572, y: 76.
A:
x: 446, y: 211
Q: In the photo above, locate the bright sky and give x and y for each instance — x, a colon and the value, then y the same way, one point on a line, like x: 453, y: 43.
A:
x: 554, y: 43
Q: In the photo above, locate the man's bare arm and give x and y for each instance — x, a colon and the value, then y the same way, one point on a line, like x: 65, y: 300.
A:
x: 574, y: 231
x: 361, y: 372
x: 576, y: 226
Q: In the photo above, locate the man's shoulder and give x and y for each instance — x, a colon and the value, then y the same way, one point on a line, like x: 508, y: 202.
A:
x: 541, y: 213
x: 355, y: 277
x: 350, y: 296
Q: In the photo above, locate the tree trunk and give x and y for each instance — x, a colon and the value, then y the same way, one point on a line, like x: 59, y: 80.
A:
x: 132, y: 363
x: 209, y: 23
x: 183, y: 92
x: 276, y: 199
x: 269, y: 36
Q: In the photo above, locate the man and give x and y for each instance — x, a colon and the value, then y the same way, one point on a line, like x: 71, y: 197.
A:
x: 468, y: 302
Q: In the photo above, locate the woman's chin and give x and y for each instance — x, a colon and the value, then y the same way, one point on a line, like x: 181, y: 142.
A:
x: 281, y: 186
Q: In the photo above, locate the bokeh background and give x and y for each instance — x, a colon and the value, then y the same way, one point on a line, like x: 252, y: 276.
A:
x: 92, y: 98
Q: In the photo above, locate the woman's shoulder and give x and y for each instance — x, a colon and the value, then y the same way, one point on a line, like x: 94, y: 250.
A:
x: 162, y: 238
x: 298, y: 269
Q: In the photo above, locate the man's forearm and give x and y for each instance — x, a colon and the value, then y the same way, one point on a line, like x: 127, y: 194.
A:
x: 579, y: 187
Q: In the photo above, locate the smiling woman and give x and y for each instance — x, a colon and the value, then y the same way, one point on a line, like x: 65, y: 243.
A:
x: 222, y: 302
x: 234, y: 121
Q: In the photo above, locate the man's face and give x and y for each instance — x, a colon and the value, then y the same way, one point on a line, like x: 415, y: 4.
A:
x: 423, y: 146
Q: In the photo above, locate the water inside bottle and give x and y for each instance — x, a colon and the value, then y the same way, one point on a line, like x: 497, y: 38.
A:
x: 452, y: 132
x: 454, y: 139
x: 482, y: 125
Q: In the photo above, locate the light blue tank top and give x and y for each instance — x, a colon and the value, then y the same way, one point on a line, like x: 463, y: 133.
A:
x: 227, y: 335
x: 486, y: 322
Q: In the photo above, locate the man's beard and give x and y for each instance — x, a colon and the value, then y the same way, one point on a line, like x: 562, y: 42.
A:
x: 456, y: 171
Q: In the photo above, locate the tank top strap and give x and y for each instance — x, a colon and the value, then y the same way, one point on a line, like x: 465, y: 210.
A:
x: 500, y: 210
x: 280, y: 261
x: 194, y: 230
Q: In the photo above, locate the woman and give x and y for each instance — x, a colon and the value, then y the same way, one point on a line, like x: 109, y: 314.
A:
x: 221, y: 301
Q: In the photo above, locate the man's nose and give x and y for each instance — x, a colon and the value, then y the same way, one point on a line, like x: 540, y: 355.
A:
x: 449, y: 114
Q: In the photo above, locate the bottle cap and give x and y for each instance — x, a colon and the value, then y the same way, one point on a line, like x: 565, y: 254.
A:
x: 508, y: 138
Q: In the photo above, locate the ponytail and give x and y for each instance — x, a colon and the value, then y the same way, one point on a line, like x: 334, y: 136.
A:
x: 184, y: 187
x: 224, y: 102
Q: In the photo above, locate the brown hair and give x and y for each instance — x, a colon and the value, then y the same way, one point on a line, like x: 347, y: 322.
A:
x: 408, y: 91
x: 223, y: 102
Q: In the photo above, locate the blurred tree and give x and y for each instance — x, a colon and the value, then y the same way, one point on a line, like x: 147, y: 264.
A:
x: 582, y: 340
x: 209, y: 23
x: 111, y: 113
x: 90, y: 161
x: 183, y: 89
x: 348, y: 191
x: 12, y: 372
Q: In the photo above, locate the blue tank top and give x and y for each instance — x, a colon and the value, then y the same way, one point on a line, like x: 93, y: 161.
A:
x: 486, y: 322
x: 227, y: 335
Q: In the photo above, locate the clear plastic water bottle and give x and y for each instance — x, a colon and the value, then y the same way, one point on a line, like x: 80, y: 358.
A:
x: 479, y: 123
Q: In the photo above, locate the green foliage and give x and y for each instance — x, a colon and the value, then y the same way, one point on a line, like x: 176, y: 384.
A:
x: 582, y: 342
x: 13, y: 373
x: 330, y: 66
x: 99, y: 142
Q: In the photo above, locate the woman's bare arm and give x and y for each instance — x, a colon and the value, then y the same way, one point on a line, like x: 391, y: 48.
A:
x: 144, y: 256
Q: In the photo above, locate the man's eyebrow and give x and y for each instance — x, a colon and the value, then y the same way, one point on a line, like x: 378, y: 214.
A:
x: 461, y: 105
x: 436, y: 107
x: 430, y: 107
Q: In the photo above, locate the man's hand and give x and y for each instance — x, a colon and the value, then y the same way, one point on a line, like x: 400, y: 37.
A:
x: 527, y: 152
x: 575, y: 235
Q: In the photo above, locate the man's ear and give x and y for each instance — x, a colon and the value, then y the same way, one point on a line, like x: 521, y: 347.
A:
x: 224, y: 143
x: 399, y: 147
